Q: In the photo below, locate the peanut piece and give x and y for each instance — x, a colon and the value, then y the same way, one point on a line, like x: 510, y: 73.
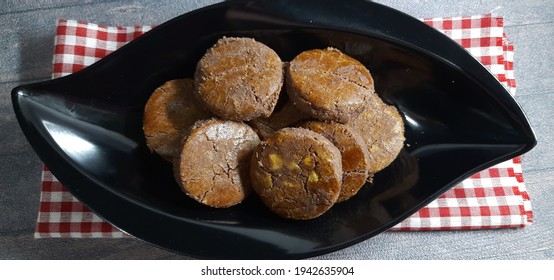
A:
x: 307, y: 161
x: 264, y: 178
x: 313, y: 177
x: 294, y: 166
x: 291, y: 184
x: 275, y: 162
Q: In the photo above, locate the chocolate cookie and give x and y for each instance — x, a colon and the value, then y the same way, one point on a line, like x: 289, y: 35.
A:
x: 213, y: 167
x: 382, y: 128
x: 169, y: 112
x: 329, y: 85
x: 354, y: 154
x: 297, y: 173
x: 239, y: 79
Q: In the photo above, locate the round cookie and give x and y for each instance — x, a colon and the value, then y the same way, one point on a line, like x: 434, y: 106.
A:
x: 239, y: 79
x: 329, y: 85
x: 297, y: 173
x: 354, y: 154
x: 213, y: 167
x: 382, y: 128
x: 169, y: 112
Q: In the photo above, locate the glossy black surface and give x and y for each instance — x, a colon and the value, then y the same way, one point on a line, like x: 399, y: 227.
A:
x: 87, y: 127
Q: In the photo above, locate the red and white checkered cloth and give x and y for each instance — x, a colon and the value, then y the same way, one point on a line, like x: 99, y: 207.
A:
x: 493, y: 198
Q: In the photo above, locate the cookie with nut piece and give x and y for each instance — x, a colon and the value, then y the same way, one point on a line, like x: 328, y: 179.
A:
x: 297, y: 173
x: 354, y: 154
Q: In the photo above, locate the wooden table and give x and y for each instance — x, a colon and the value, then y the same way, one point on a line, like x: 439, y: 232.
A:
x: 26, y: 46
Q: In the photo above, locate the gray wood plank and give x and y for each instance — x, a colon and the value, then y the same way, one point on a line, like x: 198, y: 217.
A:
x: 24, y: 247
x: 19, y: 192
x: 533, y: 57
x: 538, y: 108
x: 14, y: 6
x: 515, y: 12
x: 28, y: 37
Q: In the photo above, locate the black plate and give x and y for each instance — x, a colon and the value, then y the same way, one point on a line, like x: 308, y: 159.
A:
x: 87, y: 126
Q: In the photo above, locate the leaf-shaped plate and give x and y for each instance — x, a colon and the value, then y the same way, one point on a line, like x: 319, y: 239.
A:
x: 87, y: 127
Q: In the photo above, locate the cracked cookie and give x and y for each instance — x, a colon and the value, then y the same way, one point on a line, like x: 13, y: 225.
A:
x: 354, y: 154
x: 329, y: 85
x: 169, y: 112
x: 213, y: 167
x: 239, y: 79
x: 297, y: 173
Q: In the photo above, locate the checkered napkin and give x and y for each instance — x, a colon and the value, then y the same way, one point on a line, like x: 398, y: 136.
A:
x: 493, y: 198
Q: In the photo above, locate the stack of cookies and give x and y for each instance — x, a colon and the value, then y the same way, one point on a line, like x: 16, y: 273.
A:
x: 303, y: 135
